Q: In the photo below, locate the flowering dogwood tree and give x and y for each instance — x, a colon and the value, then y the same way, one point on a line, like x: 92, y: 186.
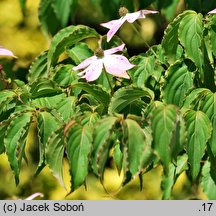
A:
x: 156, y: 108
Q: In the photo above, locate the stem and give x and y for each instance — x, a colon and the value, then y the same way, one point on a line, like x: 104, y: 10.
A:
x: 108, y: 81
x: 135, y: 28
x: 3, y: 78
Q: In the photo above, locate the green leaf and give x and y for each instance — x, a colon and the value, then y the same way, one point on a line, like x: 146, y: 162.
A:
x: 65, y: 76
x: 118, y: 157
x: 78, y: 150
x: 199, y: 129
x: 209, y: 108
x: 63, y: 10
x: 146, y: 67
x: 190, y: 35
x: 3, y: 129
x: 168, y: 131
x: 168, y: 180
x: 169, y: 8
x: 38, y: 67
x: 65, y: 39
x: 170, y: 40
x: 14, y: 141
x: 23, y: 6
x: 212, y: 33
x: 178, y: 82
x: 48, y: 102
x: 79, y: 53
x: 126, y: 95
x: 67, y: 107
x: 139, y: 146
x: 102, y: 144
x: 46, y: 11
x: 192, y: 101
x: 46, y: 124
x: 100, y: 95
x: 55, y: 153
x: 208, y: 184
x: 43, y: 88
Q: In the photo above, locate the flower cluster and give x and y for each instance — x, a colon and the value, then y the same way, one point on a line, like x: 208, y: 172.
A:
x: 115, y: 64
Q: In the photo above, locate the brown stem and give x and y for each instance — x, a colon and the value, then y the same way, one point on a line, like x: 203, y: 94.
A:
x: 3, y: 77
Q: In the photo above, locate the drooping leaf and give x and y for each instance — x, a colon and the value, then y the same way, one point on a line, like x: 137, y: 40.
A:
x: 46, y: 124
x: 79, y: 139
x: 55, y: 153
x: 178, y: 82
x: 102, y: 144
x: 139, y: 146
x: 66, y: 38
x: 14, y: 141
x: 209, y: 108
x: 199, y: 129
x: 168, y: 130
x: 118, y: 157
x: 168, y: 180
x: 126, y: 95
x: 38, y: 68
x: 208, y: 184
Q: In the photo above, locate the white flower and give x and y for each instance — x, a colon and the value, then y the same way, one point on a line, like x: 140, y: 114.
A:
x: 212, y: 11
x: 114, y: 25
x: 5, y: 52
x: 113, y: 63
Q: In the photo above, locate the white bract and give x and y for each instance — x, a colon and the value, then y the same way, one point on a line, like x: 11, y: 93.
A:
x: 114, y: 25
x: 212, y: 11
x: 5, y: 52
x: 114, y: 64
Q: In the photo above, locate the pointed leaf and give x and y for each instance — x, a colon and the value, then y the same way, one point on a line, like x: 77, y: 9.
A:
x: 139, y: 146
x: 102, y: 144
x: 47, y: 124
x: 38, y: 67
x: 78, y: 150
x: 17, y: 129
x: 190, y: 35
x: 55, y: 153
x: 199, y: 129
x: 166, y: 127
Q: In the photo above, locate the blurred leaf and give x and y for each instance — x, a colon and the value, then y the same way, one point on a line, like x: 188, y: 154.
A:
x: 49, y: 21
x: 23, y: 6
x: 78, y: 150
x: 199, y: 129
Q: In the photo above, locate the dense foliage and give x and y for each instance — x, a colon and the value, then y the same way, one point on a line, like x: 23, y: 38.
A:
x: 165, y: 114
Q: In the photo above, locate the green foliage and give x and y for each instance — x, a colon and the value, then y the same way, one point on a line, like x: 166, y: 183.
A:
x: 164, y: 115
